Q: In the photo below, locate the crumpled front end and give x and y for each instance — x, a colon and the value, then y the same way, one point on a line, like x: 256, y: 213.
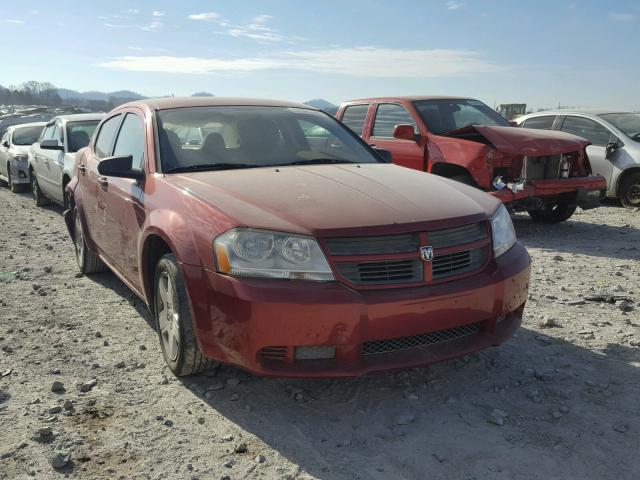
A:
x: 525, y: 168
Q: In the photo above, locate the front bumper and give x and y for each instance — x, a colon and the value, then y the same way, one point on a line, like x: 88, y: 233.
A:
x: 586, y: 192
x: 238, y: 320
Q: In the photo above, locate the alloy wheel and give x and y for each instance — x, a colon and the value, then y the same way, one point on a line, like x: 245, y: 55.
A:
x: 168, y: 317
x: 78, y: 240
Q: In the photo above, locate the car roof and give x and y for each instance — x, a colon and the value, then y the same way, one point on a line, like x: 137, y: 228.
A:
x: 79, y: 117
x: 182, y: 102
x: 409, y: 98
x: 578, y: 111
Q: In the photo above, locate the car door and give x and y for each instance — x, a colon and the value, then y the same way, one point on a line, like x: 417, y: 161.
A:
x: 40, y: 160
x: 407, y: 153
x: 4, y: 142
x: 94, y: 212
x: 599, y: 137
x: 53, y: 163
x: 123, y: 200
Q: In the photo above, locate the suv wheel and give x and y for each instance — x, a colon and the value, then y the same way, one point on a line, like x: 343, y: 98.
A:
x: 174, y: 321
x: 630, y: 190
x: 39, y: 198
x: 87, y: 262
x: 553, y: 213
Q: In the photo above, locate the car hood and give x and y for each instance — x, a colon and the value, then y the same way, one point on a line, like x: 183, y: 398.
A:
x: 525, y: 141
x: 20, y: 149
x: 331, y: 199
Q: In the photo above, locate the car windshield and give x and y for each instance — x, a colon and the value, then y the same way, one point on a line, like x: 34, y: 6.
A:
x: 26, y: 135
x: 227, y: 137
x: 629, y: 123
x: 446, y: 115
x: 79, y: 134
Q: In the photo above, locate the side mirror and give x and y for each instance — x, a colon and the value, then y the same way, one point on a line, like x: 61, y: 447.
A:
x: 5, y: 144
x: 613, y: 145
x: 119, y: 167
x: 513, y: 123
x: 384, y: 154
x: 404, y: 132
x: 51, y: 144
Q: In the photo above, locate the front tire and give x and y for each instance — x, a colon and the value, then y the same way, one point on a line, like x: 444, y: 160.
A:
x: 87, y: 262
x: 553, y: 213
x: 630, y: 190
x: 38, y: 197
x: 15, y: 187
x: 174, y: 321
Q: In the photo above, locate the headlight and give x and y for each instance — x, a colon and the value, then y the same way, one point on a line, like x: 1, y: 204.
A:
x: 245, y: 252
x: 504, y: 236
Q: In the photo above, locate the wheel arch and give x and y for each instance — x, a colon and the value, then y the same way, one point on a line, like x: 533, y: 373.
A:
x: 449, y: 170
x: 155, y: 244
x: 623, y: 175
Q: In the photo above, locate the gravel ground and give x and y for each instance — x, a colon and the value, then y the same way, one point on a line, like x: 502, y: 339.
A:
x: 84, y: 392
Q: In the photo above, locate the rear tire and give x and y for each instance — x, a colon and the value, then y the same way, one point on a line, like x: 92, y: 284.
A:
x: 174, y: 321
x: 553, y: 213
x: 630, y: 190
x: 87, y: 262
x: 38, y: 197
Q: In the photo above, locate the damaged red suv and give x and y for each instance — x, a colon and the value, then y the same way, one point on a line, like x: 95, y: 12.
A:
x: 544, y: 173
x: 267, y: 235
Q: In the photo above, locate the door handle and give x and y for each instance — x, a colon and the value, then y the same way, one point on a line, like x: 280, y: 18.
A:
x: 103, y: 182
x: 82, y: 169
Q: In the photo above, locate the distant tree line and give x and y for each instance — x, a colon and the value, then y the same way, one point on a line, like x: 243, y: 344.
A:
x: 30, y: 93
x: 47, y: 94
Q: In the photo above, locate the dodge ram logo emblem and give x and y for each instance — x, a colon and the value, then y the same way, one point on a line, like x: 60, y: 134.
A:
x: 426, y: 253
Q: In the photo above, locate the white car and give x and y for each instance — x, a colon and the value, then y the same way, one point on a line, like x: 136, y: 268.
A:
x: 52, y: 159
x: 14, y: 153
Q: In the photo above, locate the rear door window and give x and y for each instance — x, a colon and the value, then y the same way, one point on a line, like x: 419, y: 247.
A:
x: 541, y: 123
x: 388, y: 115
x: 107, y: 133
x: 80, y: 133
x: 587, y: 128
x: 354, y: 117
x: 131, y: 140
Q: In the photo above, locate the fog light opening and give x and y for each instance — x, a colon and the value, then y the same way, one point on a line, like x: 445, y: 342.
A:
x: 315, y: 352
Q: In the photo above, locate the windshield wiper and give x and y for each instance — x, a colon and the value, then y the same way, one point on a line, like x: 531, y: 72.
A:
x: 211, y: 166
x: 317, y: 161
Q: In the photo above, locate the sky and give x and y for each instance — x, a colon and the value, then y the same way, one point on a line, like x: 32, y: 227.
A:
x: 543, y: 53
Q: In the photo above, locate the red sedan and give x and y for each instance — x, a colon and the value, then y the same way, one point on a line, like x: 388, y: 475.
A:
x: 269, y: 236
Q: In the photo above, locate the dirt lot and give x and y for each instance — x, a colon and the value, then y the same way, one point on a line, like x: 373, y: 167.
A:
x: 559, y: 401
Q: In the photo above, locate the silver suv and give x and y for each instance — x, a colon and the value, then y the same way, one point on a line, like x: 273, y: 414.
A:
x: 614, y: 152
x: 14, y: 151
x: 52, y: 159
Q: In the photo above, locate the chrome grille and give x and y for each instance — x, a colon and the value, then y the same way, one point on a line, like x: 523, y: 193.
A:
x: 419, y: 341
x: 457, y: 235
x: 388, y: 244
x: 459, y: 262
x: 388, y: 271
